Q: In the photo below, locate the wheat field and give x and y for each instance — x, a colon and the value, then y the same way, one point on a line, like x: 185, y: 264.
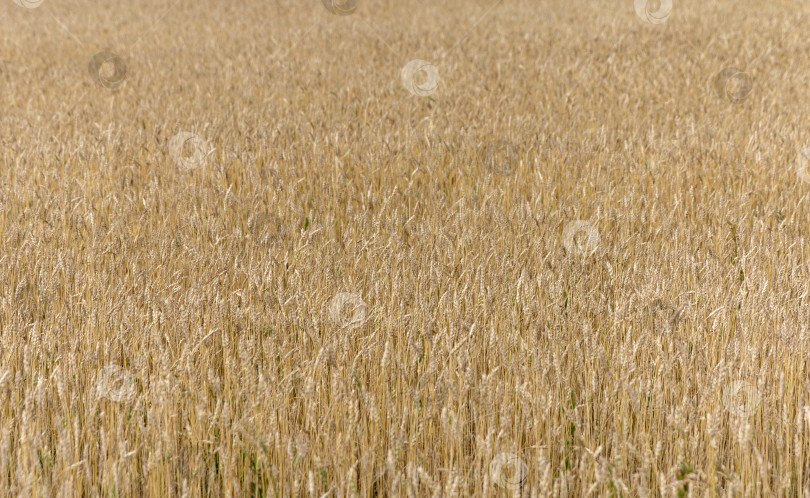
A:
x: 375, y: 248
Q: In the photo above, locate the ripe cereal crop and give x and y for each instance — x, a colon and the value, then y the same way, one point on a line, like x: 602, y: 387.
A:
x: 369, y: 248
